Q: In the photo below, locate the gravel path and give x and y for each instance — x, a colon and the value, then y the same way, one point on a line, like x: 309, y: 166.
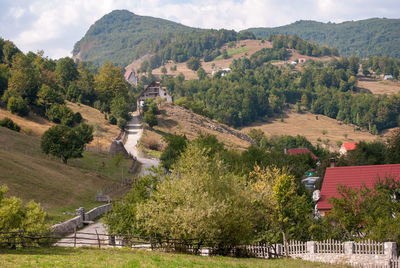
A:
x: 134, y: 131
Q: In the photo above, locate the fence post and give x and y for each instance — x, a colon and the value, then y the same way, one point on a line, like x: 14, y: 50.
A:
x: 390, y: 250
x: 98, y: 238
x: 311, y: 247
x: 75, y: 237
x: 21, y: 237
x: 349, y: 247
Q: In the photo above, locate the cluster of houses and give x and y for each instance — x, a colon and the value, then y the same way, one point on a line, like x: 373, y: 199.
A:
x: 352, y: 176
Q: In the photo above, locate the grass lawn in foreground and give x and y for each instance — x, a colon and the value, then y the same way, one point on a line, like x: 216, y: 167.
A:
x: 91, y: 257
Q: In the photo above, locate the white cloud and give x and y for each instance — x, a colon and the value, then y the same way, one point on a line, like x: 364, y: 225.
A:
x: 56, y: 25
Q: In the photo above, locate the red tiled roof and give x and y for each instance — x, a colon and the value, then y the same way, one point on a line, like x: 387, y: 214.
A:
x: 127, y: 74
x: 301, y: 151
x: 354, y: 176
x: 349, y: 146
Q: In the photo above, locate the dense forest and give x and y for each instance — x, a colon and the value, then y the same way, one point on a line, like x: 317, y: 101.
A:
x: 364, y: 38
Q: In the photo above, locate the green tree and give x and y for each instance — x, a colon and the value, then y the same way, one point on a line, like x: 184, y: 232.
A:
x: 66, y: 142
x: 17, y: 105
x: 24, y: 79
x: 60, y: 113
x: 150, y: 119
x: 201, y: 200
x: 8, y: 123
x: 109, y: 82
x: 193, y: 64
x: 67, y: 72
x: 276, y: 191
x: 16, y: 216
x: 201, y: 74
x: 47, y: 96
x: 176, y: 145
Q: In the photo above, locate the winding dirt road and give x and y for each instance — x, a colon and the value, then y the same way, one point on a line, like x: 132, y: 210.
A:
x: 134, y: 131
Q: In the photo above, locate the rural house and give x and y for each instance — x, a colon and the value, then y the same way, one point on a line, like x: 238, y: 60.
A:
x: 347, y: 146
x: 353, y: 176
x: 153, y: 91
x: 131, y: 78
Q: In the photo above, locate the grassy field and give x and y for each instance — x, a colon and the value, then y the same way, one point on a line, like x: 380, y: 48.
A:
x: 84, y: 257
x: 324, y: 130
x: 234, y: 51
x: 31, y: 175
x: 377, y: 86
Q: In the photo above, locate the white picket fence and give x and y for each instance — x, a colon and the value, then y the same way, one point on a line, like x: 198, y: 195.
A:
x: 395, y: 263
x: 330, y: 246
x: 296, y: 247
x: 369, y: 247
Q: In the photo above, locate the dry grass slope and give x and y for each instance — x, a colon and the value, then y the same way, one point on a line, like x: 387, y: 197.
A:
x: 177, y: 120
x: 307, y: 125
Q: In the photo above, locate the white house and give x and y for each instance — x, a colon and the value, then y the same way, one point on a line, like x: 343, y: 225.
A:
x: 153, y: 91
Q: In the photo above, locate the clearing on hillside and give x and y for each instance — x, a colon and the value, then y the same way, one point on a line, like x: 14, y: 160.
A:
x: 33, y: 124
x: 378, y: 86
x: 324, y: 130
x: 177, y: 120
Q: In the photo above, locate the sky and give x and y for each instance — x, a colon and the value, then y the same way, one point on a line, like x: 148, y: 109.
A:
x: 56, y: 25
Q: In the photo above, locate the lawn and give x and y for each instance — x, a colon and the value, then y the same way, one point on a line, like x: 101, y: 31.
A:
x: 234, y: 51
x: 85, y: 257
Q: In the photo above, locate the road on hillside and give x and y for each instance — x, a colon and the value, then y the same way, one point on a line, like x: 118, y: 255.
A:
x: 134, y: 131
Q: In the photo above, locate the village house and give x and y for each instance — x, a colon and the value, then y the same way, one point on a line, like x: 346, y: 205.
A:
x: 302, y: 60
x: 353, y: 176
x: 131, y: 78
x: 347, y: 146
x: 153, y: 91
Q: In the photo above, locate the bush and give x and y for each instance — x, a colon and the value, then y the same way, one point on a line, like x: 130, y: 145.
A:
x: 122, y: 123
x: 112, y: 120
x: 193, y: 64
x: 16, y: 216
x: 60, y: 113
x: 8, y: 123
x: 77, y: 117
x: 17, y: 105
x: 150, y: 119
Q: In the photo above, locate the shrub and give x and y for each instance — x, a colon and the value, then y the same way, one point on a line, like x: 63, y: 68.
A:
x: 60, y: 113
x: 112, y: 120
x: 193, y: 64
x: 77, y: 117
x: 8, y: 123
x: 17, y: 105
x: 122, y: 123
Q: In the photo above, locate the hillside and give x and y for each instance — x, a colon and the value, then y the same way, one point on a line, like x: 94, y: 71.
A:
x: 31, y: 175
x: 363, y: 38
x: 324, y: 130
x: 121, y: 36
x: 177, y: 120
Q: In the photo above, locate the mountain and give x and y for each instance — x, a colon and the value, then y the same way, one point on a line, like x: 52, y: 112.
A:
x: 121, y: 36
x: 363, y: 38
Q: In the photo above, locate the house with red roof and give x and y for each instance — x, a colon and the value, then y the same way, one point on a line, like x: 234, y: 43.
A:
x: 300, y: 151
x: 131, y: 78
x: 347, y: 146
x: 353, y: 176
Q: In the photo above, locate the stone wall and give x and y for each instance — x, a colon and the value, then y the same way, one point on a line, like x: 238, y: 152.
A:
x: 77, y: 222
x: 350, y: 256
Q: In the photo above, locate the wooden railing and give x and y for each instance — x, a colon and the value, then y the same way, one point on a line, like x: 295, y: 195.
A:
x: 330, y: 246
x: 369, y: 247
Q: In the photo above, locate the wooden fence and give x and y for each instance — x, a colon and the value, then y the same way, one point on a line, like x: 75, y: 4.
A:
x: 369, y: 247
x: 330, y: 246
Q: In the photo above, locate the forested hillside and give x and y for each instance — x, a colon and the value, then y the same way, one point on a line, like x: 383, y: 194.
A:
x: 122, y: 36
x: 364, y: 38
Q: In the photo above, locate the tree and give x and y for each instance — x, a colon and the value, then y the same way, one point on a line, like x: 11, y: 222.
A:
x: 288, y: 212
x: 150, y: 118
x: 176, y: 145
x: 193, y: 64
x: 24, y: 79
x: 201, y: 200
x: 16, y: 216
x: 201, y: 74
x: 47, y: 96
x: 8, y: 123
x: 66, y: 72
x: 109, y: 82
x: 17, y: 105
x: 60, y: 113
x: 66, y: 142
